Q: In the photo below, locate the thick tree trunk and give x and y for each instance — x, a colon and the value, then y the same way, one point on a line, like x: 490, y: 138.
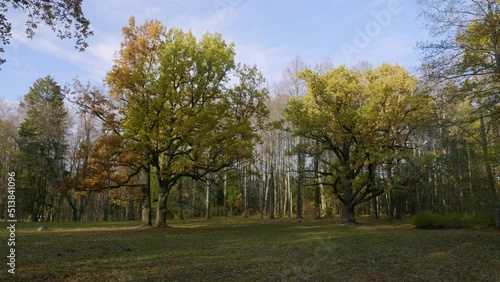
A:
x: 348, y: 213
x: 161, y: 211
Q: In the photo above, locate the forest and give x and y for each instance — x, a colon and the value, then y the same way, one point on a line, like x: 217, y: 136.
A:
x: 182, y: 130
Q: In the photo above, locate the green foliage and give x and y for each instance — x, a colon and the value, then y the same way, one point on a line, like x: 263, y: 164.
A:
x: 432, y: 220
x: 364, y: 118
x: 483, y: 220
x: 63, y: 16
x: 177, y: 109
x: 42, y: 146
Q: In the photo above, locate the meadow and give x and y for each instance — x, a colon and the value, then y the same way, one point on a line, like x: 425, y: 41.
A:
x: 251, y: 249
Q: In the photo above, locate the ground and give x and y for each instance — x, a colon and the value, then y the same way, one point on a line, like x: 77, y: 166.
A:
x: 246, y: 249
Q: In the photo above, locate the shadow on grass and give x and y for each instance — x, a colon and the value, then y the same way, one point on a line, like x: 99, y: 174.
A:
x: 253, y: 250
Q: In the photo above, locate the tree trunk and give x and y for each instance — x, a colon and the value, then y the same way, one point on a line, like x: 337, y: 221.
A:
x: 391, y: 193
x: 317, y: 190
x: 299, y: 186
x: 83, y: 203
x: 267, y: 181
x: 391, y: 205
x: 489, y: 174
x: 288, y: 182
x: 179, y: 200
x: 225, y: 194
x: 146, y: 215
x: 74, y: 210
x: 348, y: 214
x: 193, y: 203
x: 130, y: 210
x: 105, y: 206
x: 375, y: 207
x: 207, y: 199
x: 245, y: 188
x: 161, y: 211
x: 271, y: 193
x: 145, y: 207
x: 261, y: 198
x: 317, y: 202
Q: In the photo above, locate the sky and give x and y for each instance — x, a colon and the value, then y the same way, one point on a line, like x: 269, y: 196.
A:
x: 268, y: 34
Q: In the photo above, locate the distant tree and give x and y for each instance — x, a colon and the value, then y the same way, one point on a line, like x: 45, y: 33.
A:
x: 63, y: 16
x: 43, y: 144
x: 364, y: 119
x: 467, y: 52
x: 467, y: 40
x: 293, y: 86
x: 8, y: 151
x: 103, y: 160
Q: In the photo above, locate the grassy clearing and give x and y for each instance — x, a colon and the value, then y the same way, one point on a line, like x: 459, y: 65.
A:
x: 252, y: 250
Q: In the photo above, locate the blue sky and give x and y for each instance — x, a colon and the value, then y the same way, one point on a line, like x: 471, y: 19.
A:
x: 266, y: 33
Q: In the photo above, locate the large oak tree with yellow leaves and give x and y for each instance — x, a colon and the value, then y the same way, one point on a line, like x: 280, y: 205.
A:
x: 364, y: 118
x: 175, y: 109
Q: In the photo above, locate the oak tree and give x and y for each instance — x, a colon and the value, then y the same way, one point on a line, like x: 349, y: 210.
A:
x: 176, y: 106
x: 364, y: 119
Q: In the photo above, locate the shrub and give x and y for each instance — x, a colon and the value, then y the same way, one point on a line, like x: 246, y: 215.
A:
x: 432, y: 220
x: 456, y: 220
x: 484, y: 220
x: 427, y: 220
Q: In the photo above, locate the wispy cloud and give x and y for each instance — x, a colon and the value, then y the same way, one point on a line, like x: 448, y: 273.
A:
x: 267, y: 34
x: 270, y: 60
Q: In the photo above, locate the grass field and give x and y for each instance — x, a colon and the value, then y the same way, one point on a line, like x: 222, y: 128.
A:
x: 251, y: 250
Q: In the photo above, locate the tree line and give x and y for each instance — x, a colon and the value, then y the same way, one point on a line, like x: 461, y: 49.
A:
x: 183, y: 130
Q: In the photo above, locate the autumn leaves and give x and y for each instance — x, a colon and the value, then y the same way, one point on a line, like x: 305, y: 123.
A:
x: 175, y: 111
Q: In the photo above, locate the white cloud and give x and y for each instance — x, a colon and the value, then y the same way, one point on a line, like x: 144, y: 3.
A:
x: 236, y: 20
x: 268, y: 59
